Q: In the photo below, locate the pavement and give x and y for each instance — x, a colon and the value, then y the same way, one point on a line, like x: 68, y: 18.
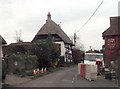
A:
x: 12, y: 80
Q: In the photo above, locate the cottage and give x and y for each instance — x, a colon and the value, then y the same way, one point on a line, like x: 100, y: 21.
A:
x: 58, y: 37
x: 112, y: 40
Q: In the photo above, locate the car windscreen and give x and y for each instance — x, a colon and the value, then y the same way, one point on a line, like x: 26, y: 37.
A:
x: 93, y: 57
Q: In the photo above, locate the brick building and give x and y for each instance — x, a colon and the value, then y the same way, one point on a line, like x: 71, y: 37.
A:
x: 112, y: 40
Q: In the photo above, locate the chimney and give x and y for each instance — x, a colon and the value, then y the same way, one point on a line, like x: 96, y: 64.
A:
x: 48, y: 16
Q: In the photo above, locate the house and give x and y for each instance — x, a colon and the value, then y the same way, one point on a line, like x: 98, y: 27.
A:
x: 58, y: 37
x: 112, y: 40
x: 61, y: 43
x: 2, y: 62
x: 16, y: 48
x: 2, y: 43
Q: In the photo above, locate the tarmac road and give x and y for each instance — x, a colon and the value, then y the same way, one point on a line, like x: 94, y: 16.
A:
x: 68, y: 77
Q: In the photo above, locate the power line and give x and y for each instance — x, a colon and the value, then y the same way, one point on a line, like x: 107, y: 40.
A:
x: 91, y: 16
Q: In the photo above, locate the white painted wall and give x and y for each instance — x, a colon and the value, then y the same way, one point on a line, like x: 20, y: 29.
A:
x: 63, y: 49
x: 1, y: 54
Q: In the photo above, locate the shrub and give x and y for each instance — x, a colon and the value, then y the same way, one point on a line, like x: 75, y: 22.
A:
x: 46, y: 52
x: 23, y: 63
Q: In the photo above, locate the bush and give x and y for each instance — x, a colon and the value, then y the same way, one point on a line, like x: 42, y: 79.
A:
x: 17, y: 71
x: 4, y: 70
x: 24, y: 62
x: 47, y: 53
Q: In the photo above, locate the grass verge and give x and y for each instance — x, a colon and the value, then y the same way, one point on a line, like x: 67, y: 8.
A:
x: 51, y: 70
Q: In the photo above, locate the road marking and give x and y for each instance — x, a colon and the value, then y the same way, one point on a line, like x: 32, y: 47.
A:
x: 72, y: 81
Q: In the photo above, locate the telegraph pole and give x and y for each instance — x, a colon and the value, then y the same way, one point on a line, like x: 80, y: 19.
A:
x: 75, y: 36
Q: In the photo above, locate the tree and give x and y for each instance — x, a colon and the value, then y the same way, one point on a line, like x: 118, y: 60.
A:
x: 18, y: 36
x: 20, y: 49
x: 41, y: 51
x: 30, y: 60
x: 46, y: 52
x: 77, y: 42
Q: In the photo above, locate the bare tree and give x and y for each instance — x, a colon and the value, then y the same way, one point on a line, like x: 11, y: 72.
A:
x: 78, y: 44
x: 72, y: 38
x: 18, y: 36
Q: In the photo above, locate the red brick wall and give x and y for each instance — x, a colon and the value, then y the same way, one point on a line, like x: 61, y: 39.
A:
x: 111, y: 49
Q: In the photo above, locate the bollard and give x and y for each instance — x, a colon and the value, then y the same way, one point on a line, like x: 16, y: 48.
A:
x: 34, y: 71
x: 45, y: 70
x: 42, y: 70
x: 38, y: 71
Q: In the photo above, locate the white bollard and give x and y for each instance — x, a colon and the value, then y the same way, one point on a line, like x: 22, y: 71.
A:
x: 45, y: 70
x: 38, y: 70
x: 42, y: 70
x: 34, y: 71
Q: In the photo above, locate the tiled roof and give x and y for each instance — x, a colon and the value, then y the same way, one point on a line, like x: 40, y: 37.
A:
x: 11, y: 48
x: 2, y: 40
x: 21, y: 43
x: 114, y: 28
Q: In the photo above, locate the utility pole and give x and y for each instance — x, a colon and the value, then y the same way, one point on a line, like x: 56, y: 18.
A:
x: 90, y: 48
x: 75, y: 36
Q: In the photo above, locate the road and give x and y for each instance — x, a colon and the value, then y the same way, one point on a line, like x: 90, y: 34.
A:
x: 0, y: 78
x: 68, y: 77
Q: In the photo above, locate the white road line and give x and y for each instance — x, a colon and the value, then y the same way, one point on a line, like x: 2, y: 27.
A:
x: 74, y: 78
x: 72, y: 81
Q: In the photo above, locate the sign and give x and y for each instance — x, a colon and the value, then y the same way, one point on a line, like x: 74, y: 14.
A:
x: 111, y: 43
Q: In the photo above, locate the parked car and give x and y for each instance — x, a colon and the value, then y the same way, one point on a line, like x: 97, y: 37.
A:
x: 110, y: 74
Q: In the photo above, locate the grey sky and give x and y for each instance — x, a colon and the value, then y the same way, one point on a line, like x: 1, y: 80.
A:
x: 30, y: 15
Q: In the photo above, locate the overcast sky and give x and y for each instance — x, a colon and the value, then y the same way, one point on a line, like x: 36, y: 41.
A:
x: 30, y: 15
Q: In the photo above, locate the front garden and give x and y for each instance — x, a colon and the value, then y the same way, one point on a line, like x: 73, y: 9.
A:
x: 41, y: 58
